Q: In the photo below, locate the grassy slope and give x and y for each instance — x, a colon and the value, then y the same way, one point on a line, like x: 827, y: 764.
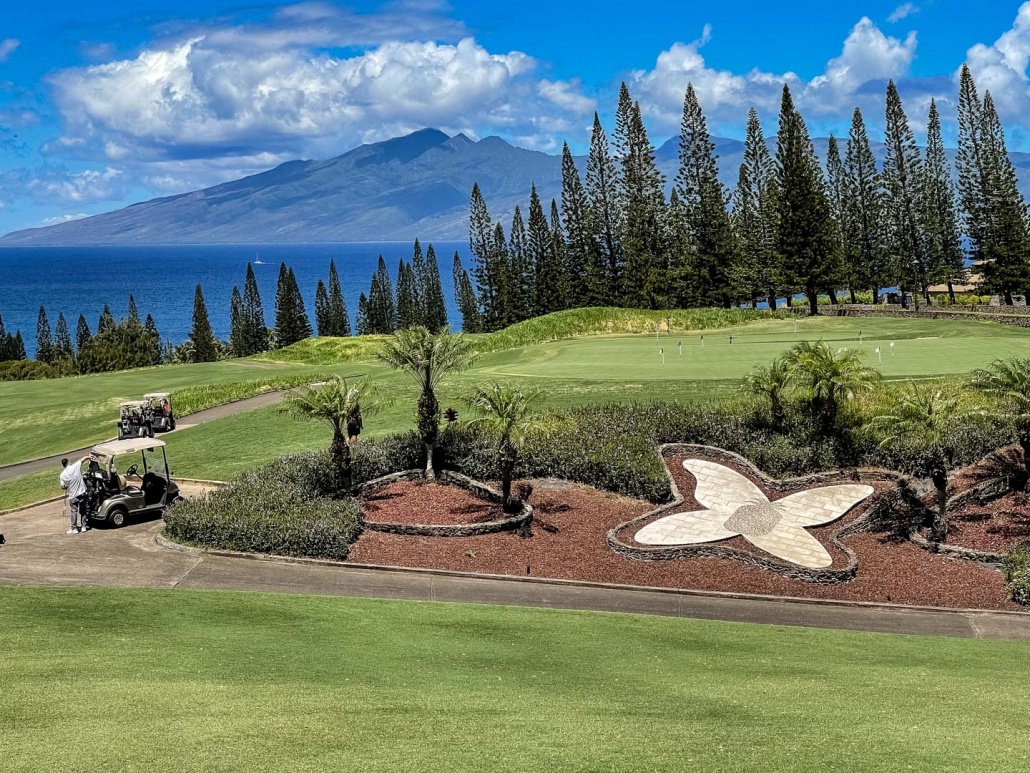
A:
x: 575, y: 371
x: 175, y: 680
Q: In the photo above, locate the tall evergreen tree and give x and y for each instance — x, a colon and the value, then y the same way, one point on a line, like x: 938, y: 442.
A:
x: 205, y: 348
x: 361, y: 322
x: 644, y: 235
x: 106, y: 323
x: 902, y: 175
x: 465, y: 297
x: 323, y: 321
x: 840, y: 216
x: 82, y: 334
x: 1007, y: 245
x: 804, y: 235
x: 44, y: 338
x: 969, y: 163
x: 519, y: 300
x: 581, y: 250
x: 704, y: 201
x: 340, y: 320
x: 255, y: 335
x: 304, y: 329
x: 754, y: 216
x: 418, y: 275
x: 380, y: 309
x: 545, y: 297
x: 237, y: 327
x: 864, y: 255
x: 291, y: 319
x: 434, y: 306
x: 560, y: 261
x: 63, y: 340
x: 408, y: 307
x: 152, y: 342
x: 938, y: 213
x: 606, y: 212
x: 488, y: 272
x: 18, y: 347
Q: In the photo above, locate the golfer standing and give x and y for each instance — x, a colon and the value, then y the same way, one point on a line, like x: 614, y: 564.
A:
x: 72, y: 482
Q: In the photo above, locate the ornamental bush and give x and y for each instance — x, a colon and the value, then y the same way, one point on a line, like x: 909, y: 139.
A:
x: 288, y: 508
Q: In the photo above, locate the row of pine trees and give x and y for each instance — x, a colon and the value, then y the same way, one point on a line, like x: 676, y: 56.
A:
x: 790, y: 226
x: 418, y: 299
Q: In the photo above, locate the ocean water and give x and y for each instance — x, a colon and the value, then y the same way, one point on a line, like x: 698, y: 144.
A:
x: 80, y: 280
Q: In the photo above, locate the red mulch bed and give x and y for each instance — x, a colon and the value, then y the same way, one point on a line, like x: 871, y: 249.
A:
x: 568, y: 541
x: 996, y: 527
x: 419, y: 502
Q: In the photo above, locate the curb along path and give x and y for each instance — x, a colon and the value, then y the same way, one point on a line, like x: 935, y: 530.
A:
x: 191, y: 420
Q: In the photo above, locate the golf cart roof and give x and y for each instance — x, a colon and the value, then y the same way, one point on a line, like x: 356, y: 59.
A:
x: 157, y: 396
x: 131, y: 404
x: 128, y: 446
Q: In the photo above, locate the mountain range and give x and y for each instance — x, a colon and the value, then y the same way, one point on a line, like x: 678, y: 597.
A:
x: 413, y: 186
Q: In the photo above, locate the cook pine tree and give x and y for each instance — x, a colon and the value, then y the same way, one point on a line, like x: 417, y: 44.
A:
x: 44, y: 338
x: 606, y: 215
x: 434, y: 308
x: 582, y: 254
x: 754, y: 217
x: 205, y: 348
x: 465, y: 298
x: 864, y: 255
x: 938, y: 210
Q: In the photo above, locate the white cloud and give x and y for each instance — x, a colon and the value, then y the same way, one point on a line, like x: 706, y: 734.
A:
x: 1001, y: 67
x: 903, y: 11
x: 8, y: 47
x: 857, y: 76
x: 60, y: 219
x: 59, y: 187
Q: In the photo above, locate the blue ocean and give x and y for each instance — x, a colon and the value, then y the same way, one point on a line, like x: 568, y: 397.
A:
x: 80, y: 280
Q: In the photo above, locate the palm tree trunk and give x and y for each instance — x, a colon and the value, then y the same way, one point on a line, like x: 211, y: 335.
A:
x: 939, y: 529
x: 951, y: 293
x: 430, y: 470
x: 340, y: 452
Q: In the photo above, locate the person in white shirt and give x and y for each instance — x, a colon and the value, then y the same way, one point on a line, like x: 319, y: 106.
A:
x: 73, y: 483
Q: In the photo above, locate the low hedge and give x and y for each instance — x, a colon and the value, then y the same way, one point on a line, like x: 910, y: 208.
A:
x: 285, y: 508
x: 33, y: 370
x: 1016, y: 568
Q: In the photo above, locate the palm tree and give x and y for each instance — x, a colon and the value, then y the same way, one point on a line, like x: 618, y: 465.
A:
x: 926, y: 419
x: 831, y: 377
x: 331, y: 403
x: 504, y: 414
x: 771, y: 382
x: 1008, y: 381
x: 427, y: 357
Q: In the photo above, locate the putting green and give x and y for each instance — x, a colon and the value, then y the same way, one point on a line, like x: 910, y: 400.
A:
x: 920, y: 349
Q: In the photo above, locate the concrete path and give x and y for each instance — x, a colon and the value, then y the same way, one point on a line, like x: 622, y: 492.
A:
x: 185, y: 422
x: 39, y: 553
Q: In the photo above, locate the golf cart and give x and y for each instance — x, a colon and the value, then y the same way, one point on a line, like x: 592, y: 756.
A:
x: 159, y: 404
x: 134, y: 420
x: 145, y: 488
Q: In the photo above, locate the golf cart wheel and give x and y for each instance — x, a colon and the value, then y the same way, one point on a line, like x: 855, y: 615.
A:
x: 117, y: 517
x: 171, y: 425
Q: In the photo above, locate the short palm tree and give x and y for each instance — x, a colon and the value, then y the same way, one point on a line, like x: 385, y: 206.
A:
x: 831, y: 377
x: 331, y: 403
x: 1008, y: 381
x: 505, y: 414
x: 427, y: 357
x: 770, y: 382
x: 926, y: 419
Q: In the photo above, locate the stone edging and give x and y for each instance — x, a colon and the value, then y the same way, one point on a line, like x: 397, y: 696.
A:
x: 164, y: 542
x: 793, y: 571
x: 508, y: 523
x: 1014, y: 320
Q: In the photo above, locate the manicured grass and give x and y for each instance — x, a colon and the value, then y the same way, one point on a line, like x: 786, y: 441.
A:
x: 191, y: 681
x: 27, y: 489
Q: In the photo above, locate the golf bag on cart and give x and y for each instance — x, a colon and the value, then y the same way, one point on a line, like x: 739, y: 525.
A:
x: 135, y: 419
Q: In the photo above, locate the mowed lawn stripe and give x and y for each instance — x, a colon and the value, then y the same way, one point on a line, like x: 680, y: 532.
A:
x: 140, y: 680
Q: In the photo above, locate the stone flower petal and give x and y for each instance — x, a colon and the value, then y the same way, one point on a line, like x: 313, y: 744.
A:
x: 794, y: 544
x: 721, y: 489
x: 820, y: 505
x: 685, y: 529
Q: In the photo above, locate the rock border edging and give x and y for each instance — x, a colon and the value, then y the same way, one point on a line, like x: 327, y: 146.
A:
x: 481, y: 490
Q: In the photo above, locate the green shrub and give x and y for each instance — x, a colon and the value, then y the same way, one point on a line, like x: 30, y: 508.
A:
x: 284, y: 508
x: 376, y: 457
x: 33, y: 370
x: 1019, y: 588
x: 1017, y: 561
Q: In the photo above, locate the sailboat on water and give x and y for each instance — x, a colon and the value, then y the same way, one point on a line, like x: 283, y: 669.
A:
x: 257, y: 259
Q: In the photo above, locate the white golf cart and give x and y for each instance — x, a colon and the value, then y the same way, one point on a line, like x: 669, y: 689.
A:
x: 134, y: 420
x: 145, y: 488
x: 159, y: 407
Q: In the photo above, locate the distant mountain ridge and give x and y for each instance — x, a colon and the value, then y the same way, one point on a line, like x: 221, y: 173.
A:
x: 396, y: 190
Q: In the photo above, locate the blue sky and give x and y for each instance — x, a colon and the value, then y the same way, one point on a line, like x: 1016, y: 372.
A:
x: 107, y: 103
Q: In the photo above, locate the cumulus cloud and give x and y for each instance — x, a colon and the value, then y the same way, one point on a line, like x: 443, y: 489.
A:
x: 857, y: 76
x: 60, y: 219
x: 208, y: 95
x: 903, y: 11
x: 8, y: 47
x: 1001, y: 67
x: 57, y: 186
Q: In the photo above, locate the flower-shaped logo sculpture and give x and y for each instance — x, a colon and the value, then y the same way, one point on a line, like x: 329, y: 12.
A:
x: 736, y: 506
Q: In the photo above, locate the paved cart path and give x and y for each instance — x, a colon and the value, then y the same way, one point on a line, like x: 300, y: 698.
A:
x: 39, y: 553
x: 185, y: 422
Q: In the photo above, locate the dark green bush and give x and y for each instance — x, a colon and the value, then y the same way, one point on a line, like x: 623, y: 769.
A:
x: 1017, y: 561
x: 33, y: 370
x: 284, y: 508
x: 376, y: 457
